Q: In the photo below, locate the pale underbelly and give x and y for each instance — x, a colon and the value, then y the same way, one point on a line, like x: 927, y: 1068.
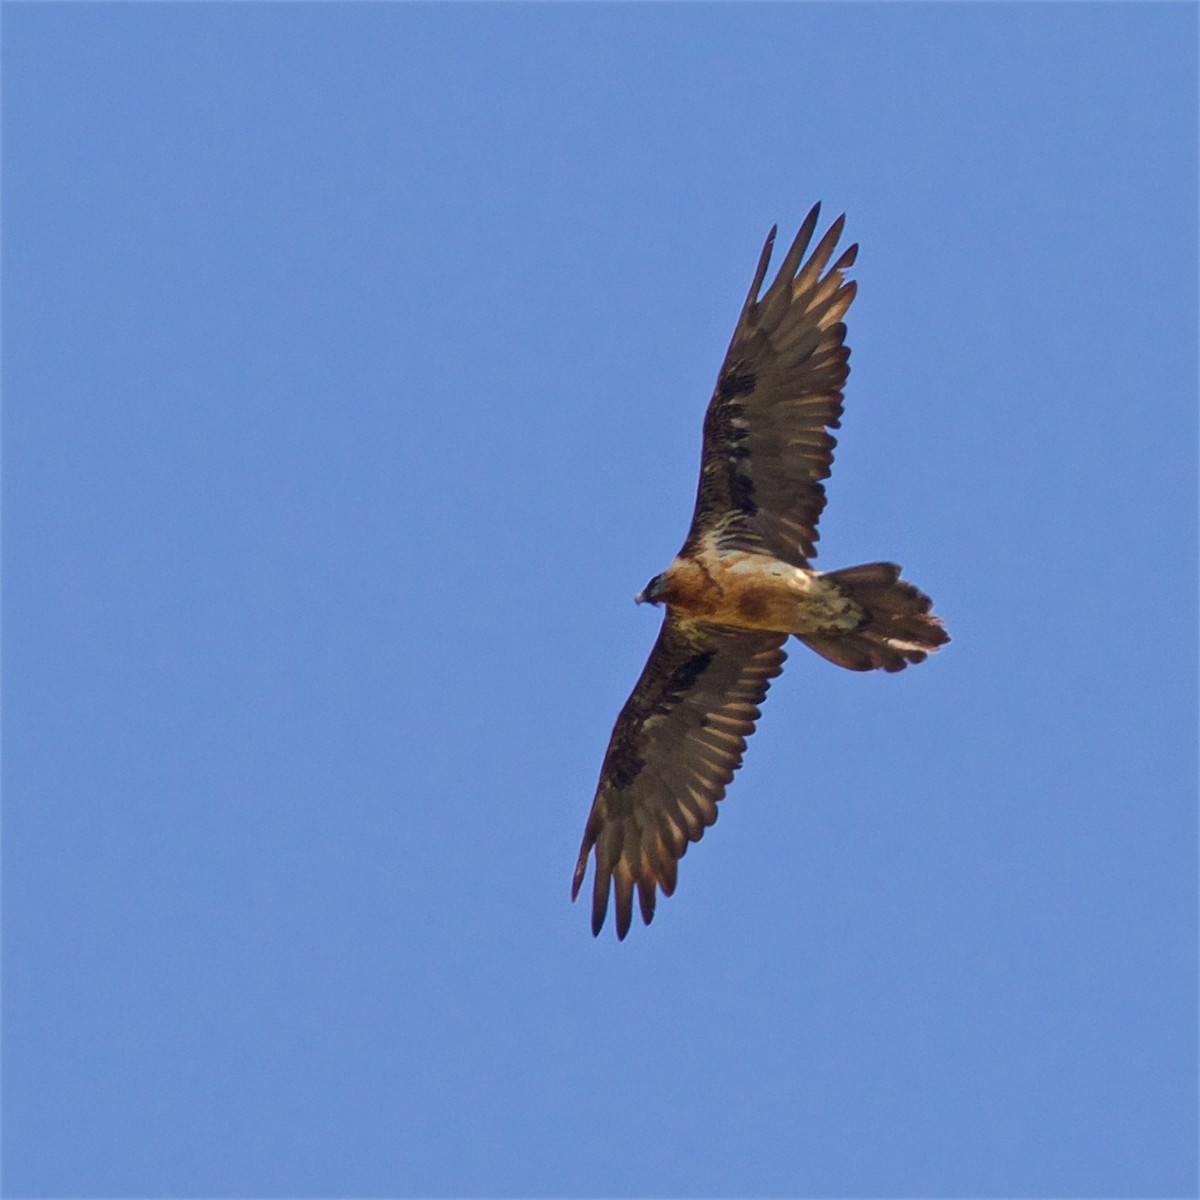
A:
x: 753, y: 592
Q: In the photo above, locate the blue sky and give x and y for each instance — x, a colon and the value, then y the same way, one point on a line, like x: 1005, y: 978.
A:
x: 354, y: 364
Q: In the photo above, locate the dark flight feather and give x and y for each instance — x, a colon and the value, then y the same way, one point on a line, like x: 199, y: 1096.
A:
x: 767, y: 444
x: 674, y: 749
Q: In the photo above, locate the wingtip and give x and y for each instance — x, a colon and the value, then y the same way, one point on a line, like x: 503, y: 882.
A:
x: 760, y: 272
x: 834, y: 232
x: 580, y: 872
x: 647, y: 899
x: 599, y: 912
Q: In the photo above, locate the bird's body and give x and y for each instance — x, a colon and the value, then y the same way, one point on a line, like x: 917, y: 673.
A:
x: 756, y: 591
x: 741, y: 585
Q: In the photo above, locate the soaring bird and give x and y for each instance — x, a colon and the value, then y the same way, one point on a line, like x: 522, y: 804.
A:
x: 742, y: 585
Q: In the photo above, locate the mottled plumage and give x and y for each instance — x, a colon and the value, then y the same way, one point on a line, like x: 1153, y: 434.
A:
x: 741, y: 584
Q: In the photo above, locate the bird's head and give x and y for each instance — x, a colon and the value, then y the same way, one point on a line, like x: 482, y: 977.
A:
x: 655, y: 592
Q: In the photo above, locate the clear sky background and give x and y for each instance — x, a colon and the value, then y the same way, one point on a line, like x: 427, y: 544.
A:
x: 355, y: 359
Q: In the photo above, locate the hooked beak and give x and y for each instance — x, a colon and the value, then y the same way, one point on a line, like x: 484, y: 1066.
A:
x: 651, y: 593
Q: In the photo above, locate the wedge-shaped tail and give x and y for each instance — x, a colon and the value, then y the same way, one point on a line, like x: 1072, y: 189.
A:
x: 897, y: 626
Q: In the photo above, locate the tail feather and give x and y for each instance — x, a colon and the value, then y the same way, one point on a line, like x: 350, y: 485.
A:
x: 897, y: 626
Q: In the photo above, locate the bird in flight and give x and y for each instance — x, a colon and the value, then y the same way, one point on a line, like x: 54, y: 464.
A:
x: 742, y: 585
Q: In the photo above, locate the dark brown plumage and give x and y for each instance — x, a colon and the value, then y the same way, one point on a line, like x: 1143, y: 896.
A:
x: 760, y: 483
x: 741, y: 584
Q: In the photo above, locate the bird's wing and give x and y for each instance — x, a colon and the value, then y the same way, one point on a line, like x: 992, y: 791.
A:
x: 674, y: 749
x: 767, y: 444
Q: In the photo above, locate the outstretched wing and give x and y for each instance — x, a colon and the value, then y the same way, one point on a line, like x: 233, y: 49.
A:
x: 674, y: 749
x: 767, y: 444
